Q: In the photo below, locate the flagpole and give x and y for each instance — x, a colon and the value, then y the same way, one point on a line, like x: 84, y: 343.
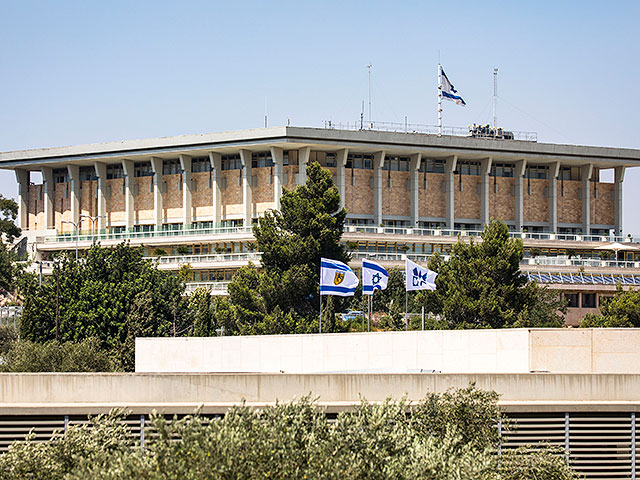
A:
x: 439, y: 100
x: 320, y: 328
x: 406, y: 309
x: 370, y: 308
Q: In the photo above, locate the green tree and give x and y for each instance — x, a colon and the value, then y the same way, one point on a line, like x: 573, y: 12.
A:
x: 8, y: 214
x: 481, y: 286
x: 9, y: 231
x: 623, y: 310
x: 112, y: 294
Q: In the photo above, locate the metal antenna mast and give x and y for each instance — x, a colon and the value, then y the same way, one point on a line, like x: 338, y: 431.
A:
x: 495, y: 97
x: 369, y: 68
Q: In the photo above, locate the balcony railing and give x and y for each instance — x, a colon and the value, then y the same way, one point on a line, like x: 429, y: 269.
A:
x: 579, y: 262
x: 215, y: 288
x: 209, y: 258
x: 72, y: 238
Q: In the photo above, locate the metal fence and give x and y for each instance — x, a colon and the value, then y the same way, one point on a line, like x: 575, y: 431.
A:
x: 10, y: 316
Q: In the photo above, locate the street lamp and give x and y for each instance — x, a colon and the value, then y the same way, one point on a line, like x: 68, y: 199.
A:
x: 77, y: 234
x: 94, y: 220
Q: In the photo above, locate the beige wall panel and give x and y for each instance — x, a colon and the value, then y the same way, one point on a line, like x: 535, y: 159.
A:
x: 502, y: 205
x: 467, y: 201
x: 291, y: 171
x: 36, y: 207
x: 569, y: 205
x: 143, y: 201
x: 536, y: 205
x: 88, y: 200
x: 171, y: 199
x: 432, y: 201
x: 115, y: 203
x: 359, y: 197
x: 232, y: 194
x: 602, y: 211
x: 397, y: 199
x: 262, y: 192
x: 62, y: 207
x: 202, y: 197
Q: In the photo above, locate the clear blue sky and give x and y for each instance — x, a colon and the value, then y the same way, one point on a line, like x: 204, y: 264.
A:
x: 94, y: 71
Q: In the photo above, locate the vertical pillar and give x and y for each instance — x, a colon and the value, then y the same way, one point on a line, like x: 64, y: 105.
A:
x: 378, y: 163
x: 129, y: 184
x: 303, y: 160
x: 247, y: 197
x: 74, y: 176
x: 341, y: 163
x: 158, y: 208
x: 22, y: 177
x: 101, y: 173
x: 277, y: 157
x: 521, y: 166
x: 450, y: 167
x: 485, y: 170
x: 47, y: 177
x: 554, y: 171
x: 586, y: 173
x: 216, y: 191
x: 617, y: 198
x: 185, y: 164
x: 414, y: 167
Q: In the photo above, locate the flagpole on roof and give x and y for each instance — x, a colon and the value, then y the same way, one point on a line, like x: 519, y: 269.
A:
x: 439, y: 100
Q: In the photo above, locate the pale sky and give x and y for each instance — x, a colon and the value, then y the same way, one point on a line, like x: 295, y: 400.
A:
x: 90, y: 71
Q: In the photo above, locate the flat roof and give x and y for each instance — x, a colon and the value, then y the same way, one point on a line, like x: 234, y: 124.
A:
x: 323, y: 139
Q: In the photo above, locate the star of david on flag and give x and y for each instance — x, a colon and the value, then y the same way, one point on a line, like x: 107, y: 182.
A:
x: 374, y: 277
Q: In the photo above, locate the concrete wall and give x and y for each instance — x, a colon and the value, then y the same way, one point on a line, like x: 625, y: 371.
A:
x: 454, y: 351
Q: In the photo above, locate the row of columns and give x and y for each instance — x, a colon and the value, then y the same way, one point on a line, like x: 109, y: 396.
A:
x: 277, y: 155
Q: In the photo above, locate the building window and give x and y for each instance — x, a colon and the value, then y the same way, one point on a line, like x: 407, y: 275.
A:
x: 115, y: 171
x: 360, y: 161
x: 432, y: 165
x: 171, y: 167
x: 142, y: 169
x: 87, y: 174
x: 231, y: 162
x: 572, y: 300
x: 468, y: 168
x: 330, y: 160
x: 261, y: 160
x: 588, y: 300
x: 540, y: 172
x: 396, y: 164
x: 502, y: 170
x: 60, y: 175
x: 200, y: 164
x: 143, y: 228
x: 569, y: 173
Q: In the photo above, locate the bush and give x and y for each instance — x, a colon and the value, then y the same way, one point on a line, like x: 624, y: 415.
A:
x: 8, y: 335
x: 535, y: 463
x: 52, y: 356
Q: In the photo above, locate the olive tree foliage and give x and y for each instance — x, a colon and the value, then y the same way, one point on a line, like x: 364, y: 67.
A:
x: 112, y: 294
x: 623, y: 310
x: 8, y: 232
x: 444, y: 437
x: 283, y: 297
x: 481, y: 286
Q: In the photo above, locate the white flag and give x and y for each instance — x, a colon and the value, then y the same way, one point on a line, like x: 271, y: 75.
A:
x: 448, y: 91
x: 419, y: 278
x: 374, y: 277
x: 336, y: 278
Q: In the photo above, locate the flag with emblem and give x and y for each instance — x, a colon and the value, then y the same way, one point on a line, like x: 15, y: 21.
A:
x: 336, y: 278
x: 419, y: 277
x: 374, y: 277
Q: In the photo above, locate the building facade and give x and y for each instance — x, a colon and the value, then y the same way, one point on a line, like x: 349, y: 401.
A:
x: 192, y: 199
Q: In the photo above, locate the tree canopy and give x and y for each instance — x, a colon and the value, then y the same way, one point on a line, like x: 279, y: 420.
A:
x: 623, y: 310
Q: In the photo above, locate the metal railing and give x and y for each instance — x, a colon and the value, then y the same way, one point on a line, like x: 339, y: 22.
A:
x: 579, y: 262
x: 419, y: 128
x: 213, y: 258
x: 215, y: 288
x: 71, y: 238
x: 10, y: 316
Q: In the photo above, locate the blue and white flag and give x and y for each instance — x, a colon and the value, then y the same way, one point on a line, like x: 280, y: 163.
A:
x: 374, y: 277
x: 448, y: 91
x: 336, y: 278
x: 419, y: 278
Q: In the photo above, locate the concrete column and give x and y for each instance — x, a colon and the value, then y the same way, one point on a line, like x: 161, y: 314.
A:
x: 521, y: 166
x: 378, y: 163
x: 22, y: 177
x: 414, y: 199
x: 158, y: 208
x: 74, y: 176
x: 47, y: 177
x: 617, y: 198
x: 247, y: 197
x: 485, y: 170
x: 187, y: 205
x: 101, y: 173
x: 341, y: 162
x: 277, y: 157
x: 554, y: 171
x: 450, y: 167
x: 586, y: 173
x: 303, y: 160
x: 216, y: 191
x: 129, y: 184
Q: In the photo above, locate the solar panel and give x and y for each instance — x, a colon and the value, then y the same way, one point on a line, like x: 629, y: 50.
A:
x: 566, y: 278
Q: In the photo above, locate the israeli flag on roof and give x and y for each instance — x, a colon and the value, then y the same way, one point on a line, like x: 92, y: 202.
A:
x: 448, y: 91
x: 419, y: 278
x: 374, y: 277
x: 336, y: 278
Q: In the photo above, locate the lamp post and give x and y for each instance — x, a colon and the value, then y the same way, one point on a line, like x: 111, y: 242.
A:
x: 76, y: 226
x: 94, y: 221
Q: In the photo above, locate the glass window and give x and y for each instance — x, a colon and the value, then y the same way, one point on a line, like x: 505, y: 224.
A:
x: 431, y: 165
x: 115, y: 171
x: 200, y: 164
x: 572, y: 300
x: 60, y: 175
x: 468, y: 168
x: 537, y: 172
x: 588, y: 300
x: 331, y: 160
x: 261, y: 160
x: 502, y: 170
x: 142, y: 169
x: 360, y: 161
x: 231, y: 162
x: 171, y: 167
